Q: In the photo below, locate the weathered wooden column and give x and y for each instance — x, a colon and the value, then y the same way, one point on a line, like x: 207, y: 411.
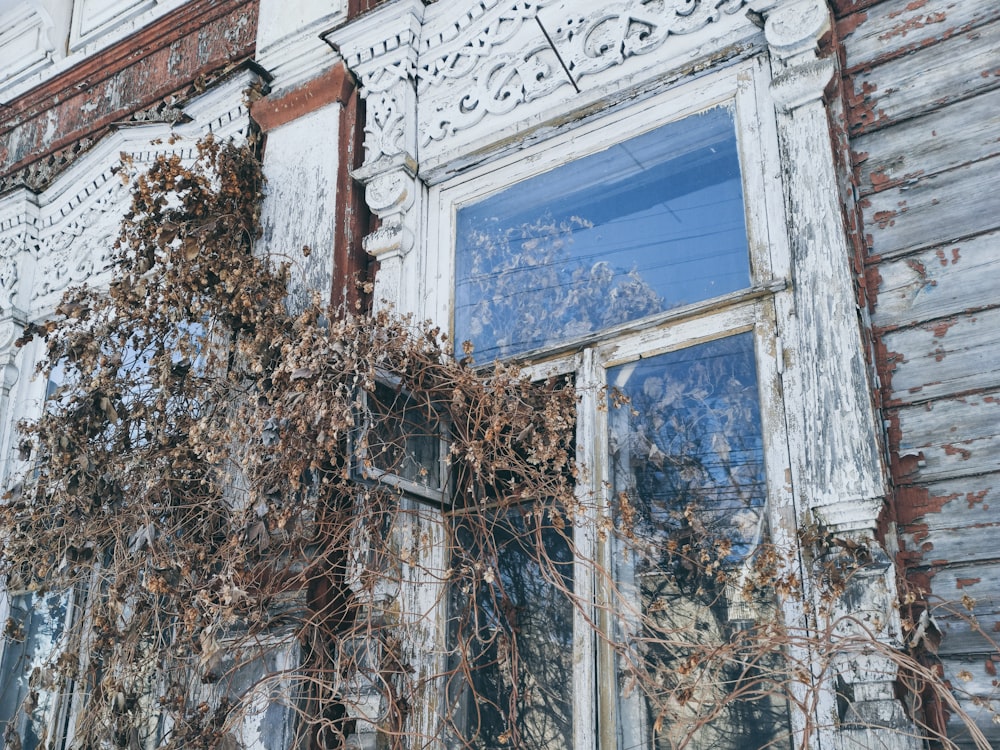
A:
x: 12, y: 323
x: 838, y: 469
x: 381, y: 49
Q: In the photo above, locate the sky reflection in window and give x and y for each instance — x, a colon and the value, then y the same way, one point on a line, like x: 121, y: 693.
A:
x: 647, y: 225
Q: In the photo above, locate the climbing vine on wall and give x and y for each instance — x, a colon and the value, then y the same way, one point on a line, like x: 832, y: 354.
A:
x: 227, y: 499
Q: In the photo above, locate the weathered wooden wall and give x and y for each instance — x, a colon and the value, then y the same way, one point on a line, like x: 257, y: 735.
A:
x: 137, y: 80
x: 922, y: 80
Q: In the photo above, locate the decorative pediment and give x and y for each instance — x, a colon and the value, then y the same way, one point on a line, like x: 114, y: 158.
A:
x: 529, y: 49
x: 65, y: 234
x: 500, y: 64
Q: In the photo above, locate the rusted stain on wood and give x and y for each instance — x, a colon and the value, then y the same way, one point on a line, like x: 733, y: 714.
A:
x: 845, y: 7
x: 940, y: 140
x: 949, y: 70
x: 919, y: 503
x: 940, y: 208
x: 335, y: 85
x: 942, y: 358
x: 957, y: 436
x: 899, y: 27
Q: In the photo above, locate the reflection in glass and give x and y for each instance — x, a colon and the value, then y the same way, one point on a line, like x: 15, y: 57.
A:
x: 27, y: 695
x: 511, y: 624
x: 644, y: 226
x: 403, y: 442
x: 689, y: 484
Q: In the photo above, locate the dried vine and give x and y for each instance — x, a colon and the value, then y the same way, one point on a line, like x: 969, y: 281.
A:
x: 229, y: 499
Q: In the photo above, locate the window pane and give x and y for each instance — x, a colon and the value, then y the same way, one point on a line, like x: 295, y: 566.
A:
x: 644, y: 226
x: 688, y: 473
x: 27, y: 692
x: 511, y: 629
x: 404, y: 440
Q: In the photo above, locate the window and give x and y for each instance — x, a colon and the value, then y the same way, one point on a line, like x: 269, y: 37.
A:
x: 632, y: 258
x: 526, y: 612
x: 35, y: 657
x: 30, y: 687
x: 401, y: 443
x: 644, y: 226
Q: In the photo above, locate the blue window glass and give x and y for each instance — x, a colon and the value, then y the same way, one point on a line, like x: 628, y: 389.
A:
x: 689, y: 507
x: 512, y: 684
x: 644, y: 226
x: 28, y: 684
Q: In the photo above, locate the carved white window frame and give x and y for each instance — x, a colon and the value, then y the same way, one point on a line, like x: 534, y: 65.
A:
x: 418, y: 64
x: 742, y: 86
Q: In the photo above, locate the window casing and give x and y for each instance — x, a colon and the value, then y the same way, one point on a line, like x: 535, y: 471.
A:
x: 603, y: 347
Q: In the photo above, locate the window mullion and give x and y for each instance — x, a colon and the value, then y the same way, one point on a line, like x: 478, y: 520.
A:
x: 595, y: 692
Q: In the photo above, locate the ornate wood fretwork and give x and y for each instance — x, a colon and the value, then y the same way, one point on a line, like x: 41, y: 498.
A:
x: 64, y: 235
x: 500, y: 55
x: 531, y: 49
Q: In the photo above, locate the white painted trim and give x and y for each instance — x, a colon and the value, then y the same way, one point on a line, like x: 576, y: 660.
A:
x: 736, y: 85
x: 26, y: 45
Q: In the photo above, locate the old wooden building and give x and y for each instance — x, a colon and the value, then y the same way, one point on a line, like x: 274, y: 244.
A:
x: 806, y: 190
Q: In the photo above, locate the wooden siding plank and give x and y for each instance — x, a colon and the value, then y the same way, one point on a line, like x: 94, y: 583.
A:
x: 964, y: 632
x: 974, y: 684
x: 956, y: 437
x: 983, y: 716
x: 976, y: 680
x: 961, y: 592
x: 958, y: 134
x: 938, y: 282
x: 946, y: 357
x: 935, y: 519
x: 962, y: 636
x: 934, y: 210
x: 902, y: 25
x: 925, y: 80
x: 967, y: 545
x: 965, y: 604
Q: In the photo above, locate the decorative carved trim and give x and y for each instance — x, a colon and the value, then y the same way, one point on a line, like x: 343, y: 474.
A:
x: 496, y: 56
x: 802, y: 83
x: 381, y: 49
x: 81, y: 248
x: 65, y: 234
x: 81, y: 96
x: 510, y: 61
x: 793, y: 29
x: 851, y: 516
x: 11, y: 327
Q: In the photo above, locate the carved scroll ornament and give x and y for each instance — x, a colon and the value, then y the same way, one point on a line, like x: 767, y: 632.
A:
x: 11, y: 243
x: 81, y: 248
x: 503, y: 67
